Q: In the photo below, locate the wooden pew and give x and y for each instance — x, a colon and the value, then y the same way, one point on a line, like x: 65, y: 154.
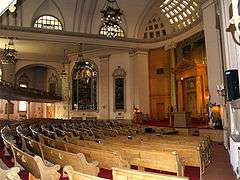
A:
x: 31, y: 145
x: 63, y: 158
x: 127, y: 174
x: 35, y: 165
x: 58, y: 144
x: 148, y: 158
x: 165, y: 161
x: 107, y: 159
x: 74, y: 175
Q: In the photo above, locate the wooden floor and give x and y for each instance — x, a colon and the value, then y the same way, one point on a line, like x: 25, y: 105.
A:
x: 220, y: 168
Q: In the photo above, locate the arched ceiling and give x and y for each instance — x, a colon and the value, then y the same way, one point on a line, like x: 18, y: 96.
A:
x: 157, y: 18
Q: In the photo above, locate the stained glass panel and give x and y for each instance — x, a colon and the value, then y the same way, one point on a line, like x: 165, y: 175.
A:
x: 84, y: 86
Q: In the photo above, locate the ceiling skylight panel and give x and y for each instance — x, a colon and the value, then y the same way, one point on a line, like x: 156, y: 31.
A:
x: 175, y: 19
x: 184, y: 14
x: 185, y: 2
x: 173, y: 4
x: 166, y: 1
x: 171, y: 13
x: 180, y: 17
x: 182, y: 6
x: 181, y: 13
x: 188, y: 11
x: 179, y: 9
x: 194, y: 3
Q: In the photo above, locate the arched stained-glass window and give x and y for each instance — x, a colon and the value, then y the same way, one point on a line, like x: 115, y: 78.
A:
x: 84, y: 86
x: 48, y: 22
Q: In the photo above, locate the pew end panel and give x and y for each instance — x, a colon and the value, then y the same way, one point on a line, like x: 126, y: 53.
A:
x: 10, y: 174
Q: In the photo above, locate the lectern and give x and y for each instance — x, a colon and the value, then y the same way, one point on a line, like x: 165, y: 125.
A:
x: 182, y: 119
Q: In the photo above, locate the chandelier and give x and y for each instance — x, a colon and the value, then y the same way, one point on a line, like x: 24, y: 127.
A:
x: 111, y: 18
x: 9, y: 53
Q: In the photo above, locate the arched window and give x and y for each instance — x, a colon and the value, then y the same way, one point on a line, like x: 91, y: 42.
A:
x: 119, y: 76
x: 48, y: 22
x: 84, y: 86
x: 23, y: 82
x: 23, y: 105
x: 154, y: 28
x: 112, y: 31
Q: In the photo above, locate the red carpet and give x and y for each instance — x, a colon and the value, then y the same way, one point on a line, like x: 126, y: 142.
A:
x: 191, y: 172
x: 195, y: 123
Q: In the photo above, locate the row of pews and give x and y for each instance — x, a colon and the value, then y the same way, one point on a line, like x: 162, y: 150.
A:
x: 82, y: 148
x: 193, y: 151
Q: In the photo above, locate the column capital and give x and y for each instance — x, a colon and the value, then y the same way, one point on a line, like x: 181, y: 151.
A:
x: 104, y: 57
x: 170, y: 46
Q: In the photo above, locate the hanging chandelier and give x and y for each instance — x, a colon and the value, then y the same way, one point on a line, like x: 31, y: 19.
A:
x: 9, y: 53
x: 111, y: 17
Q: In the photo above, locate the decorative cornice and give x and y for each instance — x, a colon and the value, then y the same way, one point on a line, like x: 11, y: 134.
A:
x: 104, y: 57
x: 147, y: 42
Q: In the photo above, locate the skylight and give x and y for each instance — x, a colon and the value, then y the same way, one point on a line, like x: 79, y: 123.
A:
x: 180, y: 13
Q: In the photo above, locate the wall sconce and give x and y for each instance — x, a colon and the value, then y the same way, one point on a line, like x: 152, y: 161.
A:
x: 221, y: 90
x: 235, y: 21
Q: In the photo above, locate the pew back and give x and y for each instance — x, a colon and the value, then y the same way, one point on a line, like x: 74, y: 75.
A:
x: 26, y: 161
x: 63, y: 158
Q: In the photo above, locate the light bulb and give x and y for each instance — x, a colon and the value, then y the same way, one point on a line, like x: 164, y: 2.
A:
x: 12, y: 8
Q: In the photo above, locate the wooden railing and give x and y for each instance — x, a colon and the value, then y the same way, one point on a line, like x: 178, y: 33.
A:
x: 15, y: 92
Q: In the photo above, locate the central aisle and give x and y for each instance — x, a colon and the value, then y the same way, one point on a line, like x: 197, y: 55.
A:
x: 220, y: 168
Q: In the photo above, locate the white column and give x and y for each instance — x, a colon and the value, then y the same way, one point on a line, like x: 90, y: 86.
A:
x: 173, y: 78
x: 141, y: 81
x: 104, y: 90
x: 213, y: 50
x: 231, y: 60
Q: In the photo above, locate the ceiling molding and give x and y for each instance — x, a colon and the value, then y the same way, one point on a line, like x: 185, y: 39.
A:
x: 73, y: 37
